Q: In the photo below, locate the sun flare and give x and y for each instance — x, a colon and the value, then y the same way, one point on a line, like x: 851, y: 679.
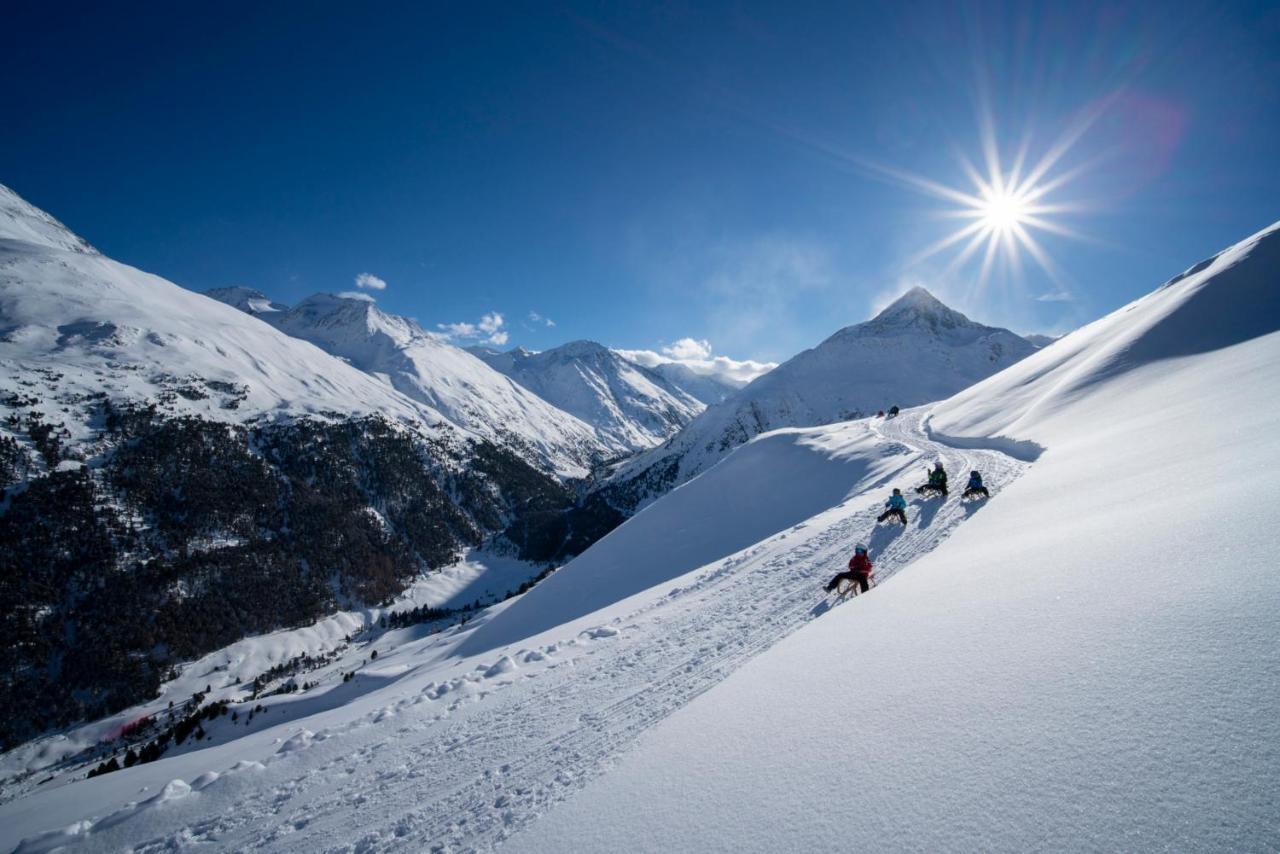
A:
x: 1003, y: 211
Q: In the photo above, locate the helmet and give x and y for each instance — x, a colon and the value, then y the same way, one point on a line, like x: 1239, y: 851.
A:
x: 859, y: 548
x: 938, y: 464
x: 975, y: 474
x: 897, y: 491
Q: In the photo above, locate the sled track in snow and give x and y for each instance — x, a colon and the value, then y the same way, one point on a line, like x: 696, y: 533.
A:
x: 467, y: 774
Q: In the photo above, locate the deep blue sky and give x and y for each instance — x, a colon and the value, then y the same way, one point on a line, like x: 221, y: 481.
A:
x: 638, y: 174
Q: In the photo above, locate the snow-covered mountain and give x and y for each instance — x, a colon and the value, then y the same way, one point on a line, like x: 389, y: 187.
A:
x: 1037, y: 340
x: 705, y: 387
x: 76, y: 326
x: 632, y: 408
x: 185, y: 461
x: 914, y: 351
x: 1089, y: 655
x: 248, y: 300
x: 446, y: 378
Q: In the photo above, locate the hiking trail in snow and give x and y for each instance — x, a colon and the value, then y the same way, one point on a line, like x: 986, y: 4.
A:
x: 463, y: 760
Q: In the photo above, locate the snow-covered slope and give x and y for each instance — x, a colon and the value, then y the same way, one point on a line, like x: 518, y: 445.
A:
x: 462, y: 387
x: 248, y: 300
x: 22, y: 221
x: 75, y: 325
x: 632, y: 408
x: 1088, y: 661
x: 708, y: 388
x: 1091, y: 663
x: 914, y: 351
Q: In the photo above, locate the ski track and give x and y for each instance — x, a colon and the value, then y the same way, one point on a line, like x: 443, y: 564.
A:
x: 467, y: 774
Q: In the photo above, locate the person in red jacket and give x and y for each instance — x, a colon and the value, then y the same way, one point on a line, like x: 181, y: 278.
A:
x: 859, y: 572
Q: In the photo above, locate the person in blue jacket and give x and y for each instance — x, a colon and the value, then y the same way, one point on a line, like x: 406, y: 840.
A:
x: 975, y: 488
x: 897, y: 506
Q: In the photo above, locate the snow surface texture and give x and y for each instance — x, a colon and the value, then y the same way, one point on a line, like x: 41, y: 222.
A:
x: 916, y: 350
x: 433, y: 746
x: 1091, y: 664
x: 631, y: 408
x: 479, y: 576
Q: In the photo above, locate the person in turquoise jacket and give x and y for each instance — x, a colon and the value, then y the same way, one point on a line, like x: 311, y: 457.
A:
x: 897, y: 506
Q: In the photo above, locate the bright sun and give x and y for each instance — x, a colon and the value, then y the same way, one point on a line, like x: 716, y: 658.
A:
x: 1003, y: 211
x: 1000, y: 215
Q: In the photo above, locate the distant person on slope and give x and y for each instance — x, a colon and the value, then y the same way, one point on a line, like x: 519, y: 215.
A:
x: 859, y: 571
x: 937, y: 481
x: 893, y: 411
x: 897, y: 507
x: 975, y: 487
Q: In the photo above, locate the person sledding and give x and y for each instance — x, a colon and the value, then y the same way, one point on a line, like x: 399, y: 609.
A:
x: 858, y: 574
x: 937, y: 481
x: 896, y: 507
x: 975, y: 488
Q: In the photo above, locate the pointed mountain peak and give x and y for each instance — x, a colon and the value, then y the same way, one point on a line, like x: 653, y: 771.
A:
x: 916, y: 299
x: 921, y: 309
x: 21, y: 220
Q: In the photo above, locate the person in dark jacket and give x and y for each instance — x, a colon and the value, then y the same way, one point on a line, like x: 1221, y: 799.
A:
x: 859, y: 571
x: 897, y: 506
x: 975, y: 487
x: 937, y: 480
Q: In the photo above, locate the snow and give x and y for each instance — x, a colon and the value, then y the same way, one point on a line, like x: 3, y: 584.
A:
x: 22, y: 221
x: 248, y: 300
x: 449, y: 380
x: 1091, y: 663
x: 1088, y: 660
x: 478, y: 576
x: 94, y: 325
x: 915, y: 351
x: 630, y: 407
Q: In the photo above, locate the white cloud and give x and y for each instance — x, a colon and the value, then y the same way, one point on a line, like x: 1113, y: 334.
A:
x: 356, y: 295
x: 487, y: 330
x: 458, y: 330
x: 688, y: 348
x: 1055, y: 296
x: 696, y: 355
x: 534, y: 317
x: 368, y: 281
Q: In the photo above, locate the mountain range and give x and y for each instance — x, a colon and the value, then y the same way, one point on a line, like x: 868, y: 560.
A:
x: 914, y: 351
x: 230, y: 464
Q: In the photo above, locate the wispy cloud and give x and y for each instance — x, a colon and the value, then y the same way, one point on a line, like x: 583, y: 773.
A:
x: 534, y: 317
x: 370, y: 282
x: 487, y: 330
x: 1055, y: 296
x: 356, y: 295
